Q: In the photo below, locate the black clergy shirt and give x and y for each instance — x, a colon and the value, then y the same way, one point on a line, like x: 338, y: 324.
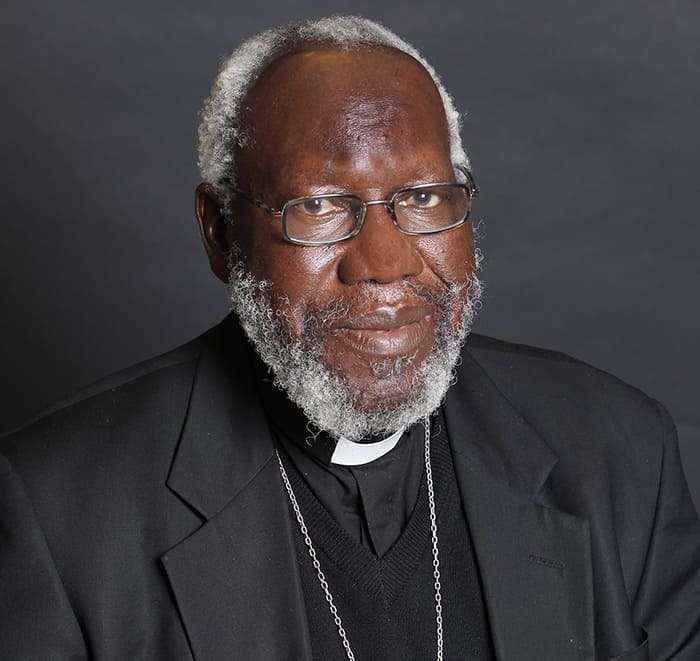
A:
x: 373, y: 501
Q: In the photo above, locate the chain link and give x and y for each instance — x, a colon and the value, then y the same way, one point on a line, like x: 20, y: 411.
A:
x: 314, y: 559
x: 317, y: 565
x: 433, y: 533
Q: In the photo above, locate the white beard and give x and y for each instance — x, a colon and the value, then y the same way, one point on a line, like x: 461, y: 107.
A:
x: 328, y: 400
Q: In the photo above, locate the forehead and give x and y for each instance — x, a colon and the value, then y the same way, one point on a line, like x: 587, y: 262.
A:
x: 338, y: 105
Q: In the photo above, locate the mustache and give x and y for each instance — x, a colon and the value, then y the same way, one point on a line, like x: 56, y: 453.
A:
x: 368, y: 297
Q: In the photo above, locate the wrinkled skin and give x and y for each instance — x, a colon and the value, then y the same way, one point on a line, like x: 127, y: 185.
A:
x: 366, y: 122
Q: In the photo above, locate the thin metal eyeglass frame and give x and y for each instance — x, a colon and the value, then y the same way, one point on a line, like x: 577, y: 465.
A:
x: 470, y: 187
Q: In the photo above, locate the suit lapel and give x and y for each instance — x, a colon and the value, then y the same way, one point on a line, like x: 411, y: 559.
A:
x: 235, y: 579
x: 534, y: 561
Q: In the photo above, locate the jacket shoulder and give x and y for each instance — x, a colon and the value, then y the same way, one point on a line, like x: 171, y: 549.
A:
x: 150, y: 395
x: 565, y: 399
x: 524, y: 372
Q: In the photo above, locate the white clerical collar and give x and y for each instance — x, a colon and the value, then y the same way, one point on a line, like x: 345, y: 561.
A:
x: 348, y: 453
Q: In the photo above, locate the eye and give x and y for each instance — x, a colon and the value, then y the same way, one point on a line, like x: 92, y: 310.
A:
x: 318, y: 206
x: 423, y: 199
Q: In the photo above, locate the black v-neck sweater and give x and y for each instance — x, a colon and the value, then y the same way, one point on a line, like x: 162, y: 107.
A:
x: 387, y: 603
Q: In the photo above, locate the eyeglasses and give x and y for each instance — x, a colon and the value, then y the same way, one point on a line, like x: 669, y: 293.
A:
x: 322, y: 219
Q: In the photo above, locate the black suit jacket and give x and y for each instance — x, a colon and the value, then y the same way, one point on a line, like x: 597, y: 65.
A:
x: 147, y: 520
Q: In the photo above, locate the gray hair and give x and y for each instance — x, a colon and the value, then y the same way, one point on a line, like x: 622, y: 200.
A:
x: 220, y: 131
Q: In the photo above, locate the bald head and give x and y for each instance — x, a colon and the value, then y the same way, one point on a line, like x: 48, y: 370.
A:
x: 323, y: 110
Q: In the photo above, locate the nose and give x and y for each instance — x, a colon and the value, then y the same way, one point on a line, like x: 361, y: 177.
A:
x: 380, y: 252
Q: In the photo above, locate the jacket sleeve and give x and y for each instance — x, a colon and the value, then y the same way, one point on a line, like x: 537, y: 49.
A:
x: 667, y: 604
x: 36, y: 619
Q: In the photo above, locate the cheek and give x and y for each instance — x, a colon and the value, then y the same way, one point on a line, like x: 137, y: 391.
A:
x: 301, y: 276
x: 294, y: 270
x: 450, y: 255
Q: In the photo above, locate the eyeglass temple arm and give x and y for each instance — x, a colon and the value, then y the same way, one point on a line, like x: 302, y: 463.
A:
x: 257, y: 203
x: 251, y: 199
x: 471, y: 182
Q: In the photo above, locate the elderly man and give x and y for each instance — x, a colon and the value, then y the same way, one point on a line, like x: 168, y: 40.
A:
x: 329, y: 474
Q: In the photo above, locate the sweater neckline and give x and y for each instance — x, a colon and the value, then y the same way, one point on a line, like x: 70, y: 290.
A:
x: 384, y: 577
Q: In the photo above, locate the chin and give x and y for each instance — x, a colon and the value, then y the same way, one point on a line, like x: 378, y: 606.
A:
x: 383, y: 384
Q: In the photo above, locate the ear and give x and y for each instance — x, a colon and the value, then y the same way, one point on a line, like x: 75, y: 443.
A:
x: 213, y: 228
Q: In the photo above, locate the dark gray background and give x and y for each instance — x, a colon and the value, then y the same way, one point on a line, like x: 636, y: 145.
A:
x: 581, y: 124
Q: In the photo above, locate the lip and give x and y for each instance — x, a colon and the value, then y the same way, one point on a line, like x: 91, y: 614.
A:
x: 386, y: 332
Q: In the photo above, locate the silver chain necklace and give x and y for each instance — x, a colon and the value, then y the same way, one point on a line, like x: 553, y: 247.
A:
x: 317, y: 565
